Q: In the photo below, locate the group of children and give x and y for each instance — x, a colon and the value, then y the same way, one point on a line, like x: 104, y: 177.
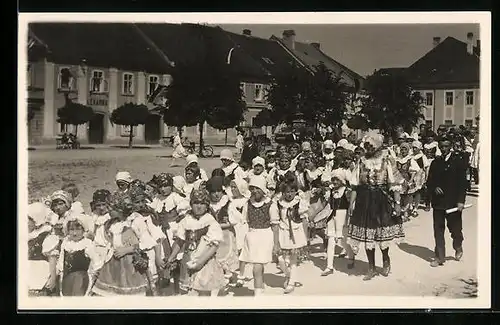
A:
x: 197, y: 234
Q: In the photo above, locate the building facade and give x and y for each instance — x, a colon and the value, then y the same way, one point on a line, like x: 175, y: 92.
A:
x: 107, y: 65
x: 447, y: 77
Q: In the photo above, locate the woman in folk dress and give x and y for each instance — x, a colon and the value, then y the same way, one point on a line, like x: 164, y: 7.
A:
x: 375, y: 207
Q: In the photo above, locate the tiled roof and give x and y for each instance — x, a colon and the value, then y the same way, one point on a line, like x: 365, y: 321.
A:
x: 116, y: 45
x: 188, y: 42
x: 267, y: 53
x: 447, y: 63
x: 312, y: 56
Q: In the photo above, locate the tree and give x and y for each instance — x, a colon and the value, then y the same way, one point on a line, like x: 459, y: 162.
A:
x: 74, y: 114
x: 204, y: 90
x: 131, y: 115
x: 320, y: 97
x: 390, y: 102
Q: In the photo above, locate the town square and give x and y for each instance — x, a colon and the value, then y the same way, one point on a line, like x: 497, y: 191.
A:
x: 245, y: 160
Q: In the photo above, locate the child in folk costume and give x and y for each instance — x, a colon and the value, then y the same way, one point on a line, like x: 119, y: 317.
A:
x: 40, y: 221
x: 61, y: 205
x: 420, y: 176
x: 407, y: 168
x: 169, y: 206
x: 339, y: 196
x: 78, y: 262
x: 259, y: 242
x: 294, y: 151
x: 192, y: 160
x: 230, y: 167
x: 193, y: 179
x: 123, y: 180
x: 76, y: 206
x: 125, y: 268
x: 270, y: 160
x: 100, y: 215
x: 198, y: 237
x: 277, y: 174
x: 289, y: 213
x: 258, y: 169
x: 328, y: 154
x: 238, y: 198
x: 227, y: 216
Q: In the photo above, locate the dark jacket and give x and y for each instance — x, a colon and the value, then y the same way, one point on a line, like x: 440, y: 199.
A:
x: 249, y: 153
x: 450, y: 176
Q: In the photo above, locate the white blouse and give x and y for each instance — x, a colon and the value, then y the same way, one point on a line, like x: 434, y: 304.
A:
x: 280, y: 216
x: 87, y: 246
x: 214, y: 234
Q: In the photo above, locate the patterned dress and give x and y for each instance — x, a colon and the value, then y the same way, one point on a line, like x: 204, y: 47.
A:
x: 198, y: 235
x: 372, y: 221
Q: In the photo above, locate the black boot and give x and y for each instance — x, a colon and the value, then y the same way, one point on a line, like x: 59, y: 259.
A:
x: 370, y: 253
x: 386, y: 269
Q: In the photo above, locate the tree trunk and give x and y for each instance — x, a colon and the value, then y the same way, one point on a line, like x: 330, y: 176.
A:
x: 130, y: 136
x: 76, y: 130
x: 225, y: 140
x: 200, y: 147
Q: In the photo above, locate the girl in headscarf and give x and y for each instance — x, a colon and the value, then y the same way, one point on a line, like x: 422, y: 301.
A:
x: 375, y: 207
x: 258, y: 245
x: 289, y: 213
x: 192, y: 160
x: 407, y: 168
x: 420, y: 176
x: 339, y: 196
x: 78, y: 261
x: 258, y: 169
x: 199, y: 236
x: 60, y: 204
x: 228, y: 216
x: 123, y: 180
x: 125, y: 268
x: 179, y: 150
x: 229, y: 166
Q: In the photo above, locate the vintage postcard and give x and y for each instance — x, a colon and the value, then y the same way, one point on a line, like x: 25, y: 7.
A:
x: 254, y: 160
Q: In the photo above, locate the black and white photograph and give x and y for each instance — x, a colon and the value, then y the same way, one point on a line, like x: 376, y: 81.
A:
x: 312, y: 160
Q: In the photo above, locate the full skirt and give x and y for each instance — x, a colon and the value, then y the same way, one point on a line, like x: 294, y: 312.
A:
x: 227, y: 253
x: 372, y: 221
x: 258, y: 246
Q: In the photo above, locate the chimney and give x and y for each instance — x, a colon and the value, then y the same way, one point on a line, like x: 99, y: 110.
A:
x: 478, y: 47
x: 247, y: 32
x: 436, y: 41
x: 470, y: 44
x: 289, y: 37
x: 316, y: 45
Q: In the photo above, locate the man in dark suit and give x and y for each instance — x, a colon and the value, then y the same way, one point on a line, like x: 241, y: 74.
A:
x: 447, y: 184
x: 250, y: 151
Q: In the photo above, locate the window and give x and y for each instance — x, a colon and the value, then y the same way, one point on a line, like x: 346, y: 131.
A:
x: 468, y: 123
x: 128, y: 84
x: 259, y: 92
x: 66, y: 79
x: 97, y: 83
x: 153, y: 82
x: 448, y: 122
x: 449, y: 98
x: 429, y: 99
x: 429, y: 124
x: 125, y: 131
x: 29, y: 78
x: 469, y: 98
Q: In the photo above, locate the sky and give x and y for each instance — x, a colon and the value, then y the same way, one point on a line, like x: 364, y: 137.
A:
x: 364, y: 48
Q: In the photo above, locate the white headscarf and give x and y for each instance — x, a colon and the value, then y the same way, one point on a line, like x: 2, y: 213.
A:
x: 242, y: 186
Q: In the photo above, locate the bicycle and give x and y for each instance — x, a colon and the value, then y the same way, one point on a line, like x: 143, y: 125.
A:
x: 207, y: 151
